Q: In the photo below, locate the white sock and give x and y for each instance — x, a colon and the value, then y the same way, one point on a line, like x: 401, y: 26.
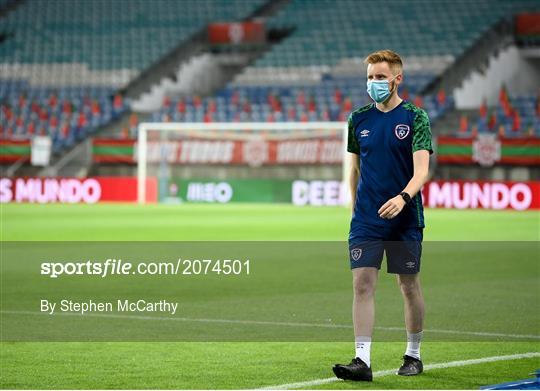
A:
x: 363, y: 349
x: 413, y: 344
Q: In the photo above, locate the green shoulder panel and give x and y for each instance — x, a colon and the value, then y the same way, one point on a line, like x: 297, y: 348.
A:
x: 421, y: 129
x: 363, y: 108
x: 352, y: 142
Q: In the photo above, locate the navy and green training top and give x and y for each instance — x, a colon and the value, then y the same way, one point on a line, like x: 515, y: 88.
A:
x: 385, y: 143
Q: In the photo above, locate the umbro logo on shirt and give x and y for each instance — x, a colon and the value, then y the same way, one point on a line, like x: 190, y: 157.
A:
x: 364, y: 133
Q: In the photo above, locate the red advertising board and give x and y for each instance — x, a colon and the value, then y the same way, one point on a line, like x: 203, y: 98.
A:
x: 461, y: 194
x: 74, y: 190
x: 528, y: 24
x: 236, y: 33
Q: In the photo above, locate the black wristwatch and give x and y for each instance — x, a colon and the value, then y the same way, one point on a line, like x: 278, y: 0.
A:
x: 406, y: 197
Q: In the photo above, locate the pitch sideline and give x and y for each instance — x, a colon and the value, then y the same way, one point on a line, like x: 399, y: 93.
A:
x: 450, y: 364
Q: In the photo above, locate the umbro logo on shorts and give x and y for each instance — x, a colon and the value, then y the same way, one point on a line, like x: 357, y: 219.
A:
x: 356, y: 253
x: 410, y: 264
x: 364, y: 133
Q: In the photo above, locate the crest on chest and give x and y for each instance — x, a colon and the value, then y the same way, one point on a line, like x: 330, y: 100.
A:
x: 401, y: 131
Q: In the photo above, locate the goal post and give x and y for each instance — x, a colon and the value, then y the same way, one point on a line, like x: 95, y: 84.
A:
x: 149, y: 132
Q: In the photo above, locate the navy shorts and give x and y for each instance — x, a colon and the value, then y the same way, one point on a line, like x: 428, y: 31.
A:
x: 403, y: 248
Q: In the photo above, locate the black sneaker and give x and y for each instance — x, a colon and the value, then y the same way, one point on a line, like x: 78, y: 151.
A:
x: 411, y: 366
x: 356, y: 370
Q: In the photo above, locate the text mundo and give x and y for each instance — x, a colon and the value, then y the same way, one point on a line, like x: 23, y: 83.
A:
x: 47, y: 190
x: 474, y: 195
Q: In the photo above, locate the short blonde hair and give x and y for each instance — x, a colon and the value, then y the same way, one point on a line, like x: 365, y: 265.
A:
x: 392, y: 58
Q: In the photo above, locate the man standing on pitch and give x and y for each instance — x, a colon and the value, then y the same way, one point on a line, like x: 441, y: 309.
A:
x: 390, y: 143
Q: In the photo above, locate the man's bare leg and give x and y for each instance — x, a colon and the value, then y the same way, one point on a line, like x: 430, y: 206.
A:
x: 364, y: 283
x: 414, y: 320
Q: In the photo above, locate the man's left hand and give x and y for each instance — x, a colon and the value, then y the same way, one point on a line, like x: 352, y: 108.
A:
x: 392, y: 207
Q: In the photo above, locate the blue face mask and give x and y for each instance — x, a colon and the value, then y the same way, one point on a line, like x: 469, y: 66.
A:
x: 379, y: 90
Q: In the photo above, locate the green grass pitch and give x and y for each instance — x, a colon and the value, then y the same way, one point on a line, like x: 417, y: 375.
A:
x: 226, y: 365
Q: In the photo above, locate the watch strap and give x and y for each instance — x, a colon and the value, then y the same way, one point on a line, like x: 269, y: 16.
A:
x: 406, y: 197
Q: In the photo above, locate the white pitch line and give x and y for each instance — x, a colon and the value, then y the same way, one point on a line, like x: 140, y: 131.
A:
x: 270, y: 323
x: 477, y: 333
x: 443, y: 365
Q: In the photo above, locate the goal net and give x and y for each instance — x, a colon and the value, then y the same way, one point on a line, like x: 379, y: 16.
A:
x: 243, y: 153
